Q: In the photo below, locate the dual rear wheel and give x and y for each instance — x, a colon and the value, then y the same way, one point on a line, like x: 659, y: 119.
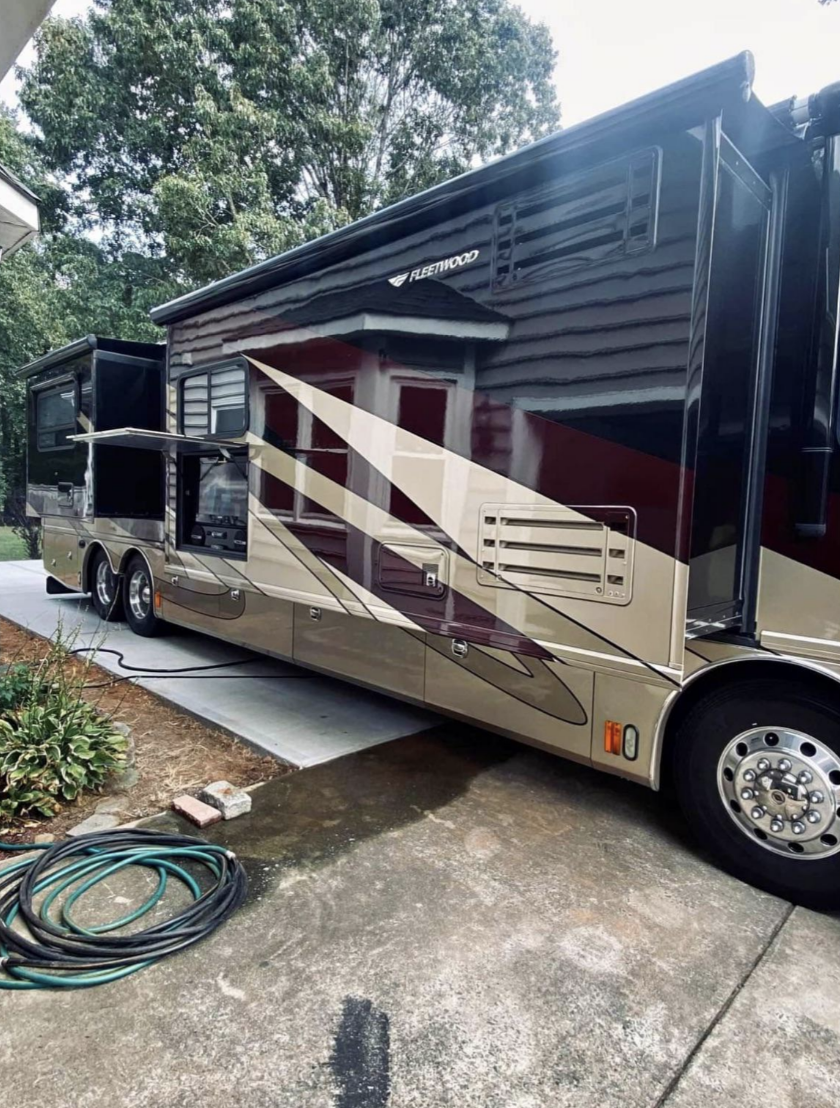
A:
x: 129, y: 597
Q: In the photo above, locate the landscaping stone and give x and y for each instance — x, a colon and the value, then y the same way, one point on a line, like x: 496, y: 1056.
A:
x: 99, y: 821
x: 112, y: 806
x: 202, y: 815
x: 123, y: 781
x: 44, y: 837
x: 230, y: 801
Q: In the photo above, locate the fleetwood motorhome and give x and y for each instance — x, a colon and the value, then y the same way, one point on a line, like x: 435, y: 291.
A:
x: 550, y: 447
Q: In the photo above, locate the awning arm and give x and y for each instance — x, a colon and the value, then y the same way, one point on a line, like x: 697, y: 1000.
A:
x: 139, y: 439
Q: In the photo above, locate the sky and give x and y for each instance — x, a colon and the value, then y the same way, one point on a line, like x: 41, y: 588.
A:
x: 614, y: 50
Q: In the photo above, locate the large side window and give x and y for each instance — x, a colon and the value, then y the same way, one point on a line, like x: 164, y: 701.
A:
x: 423, y: 408
x: 55, y: 416
x: 214, y: 402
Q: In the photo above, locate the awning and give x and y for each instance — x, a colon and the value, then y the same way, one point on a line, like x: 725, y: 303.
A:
x: 139, y: 439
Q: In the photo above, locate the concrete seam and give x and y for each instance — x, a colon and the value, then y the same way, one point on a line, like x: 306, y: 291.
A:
x: 721, y: 1013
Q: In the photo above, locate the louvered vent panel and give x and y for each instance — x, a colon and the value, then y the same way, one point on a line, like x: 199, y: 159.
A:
x: 606, y: 211
x: 555, y: 551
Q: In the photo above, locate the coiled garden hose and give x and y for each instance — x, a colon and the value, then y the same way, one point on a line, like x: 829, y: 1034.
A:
x: 39, y: 949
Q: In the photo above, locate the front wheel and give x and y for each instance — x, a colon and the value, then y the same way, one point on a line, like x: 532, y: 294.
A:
x: 138, y: 598
x: 757, y: 773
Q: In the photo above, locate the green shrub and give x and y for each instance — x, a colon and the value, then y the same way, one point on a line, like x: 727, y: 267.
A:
x: 53, y: 743
x: 15, y: 685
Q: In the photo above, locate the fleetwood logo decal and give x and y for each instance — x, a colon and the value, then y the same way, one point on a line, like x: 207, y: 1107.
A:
x: 432, y: 270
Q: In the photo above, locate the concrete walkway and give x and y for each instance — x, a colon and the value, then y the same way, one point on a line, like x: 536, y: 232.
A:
x: 453, y: 921
x: 282, y: 709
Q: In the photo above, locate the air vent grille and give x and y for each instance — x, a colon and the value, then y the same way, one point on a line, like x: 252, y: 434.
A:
x: 584, y: 552
x: 603, y: 212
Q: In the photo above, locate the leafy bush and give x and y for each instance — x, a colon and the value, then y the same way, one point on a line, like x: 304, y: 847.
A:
x: 15, y: 685
x: 53, y: 743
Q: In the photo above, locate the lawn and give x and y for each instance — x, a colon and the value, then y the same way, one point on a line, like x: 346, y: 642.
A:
x: 11, y: 547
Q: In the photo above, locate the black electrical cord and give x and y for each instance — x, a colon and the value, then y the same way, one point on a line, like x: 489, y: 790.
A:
x: 151, y: 673
x: 60, y: 953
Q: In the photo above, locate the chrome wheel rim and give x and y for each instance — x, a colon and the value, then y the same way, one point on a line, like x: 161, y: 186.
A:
x: 782, y: 788
x: 139, y: 594
x: 104, y: 584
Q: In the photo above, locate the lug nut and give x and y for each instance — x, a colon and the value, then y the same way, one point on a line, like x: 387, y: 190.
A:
x: 762, y: 765
x: 784, y: 765
x: 749, y: 775
x: 747, y: 794
x: 757, y: 813
x: 777, y: 825
x: 813, y: 816
x: 798, y: 827
x: 816, y: 797
x: 805, y: 777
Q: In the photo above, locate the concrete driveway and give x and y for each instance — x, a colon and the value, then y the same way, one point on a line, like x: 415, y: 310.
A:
x: 282, y: 709
x: 454, y: 920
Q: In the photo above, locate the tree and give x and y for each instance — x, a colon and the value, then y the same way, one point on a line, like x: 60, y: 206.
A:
x: 176, y: 141
x: 217, y: 132
x: 64, y: 287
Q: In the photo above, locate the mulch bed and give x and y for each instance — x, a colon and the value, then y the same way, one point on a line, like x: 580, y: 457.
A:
x: 174, y: 752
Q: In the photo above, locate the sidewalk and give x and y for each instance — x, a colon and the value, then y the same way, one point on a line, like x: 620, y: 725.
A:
x: 287, y: 711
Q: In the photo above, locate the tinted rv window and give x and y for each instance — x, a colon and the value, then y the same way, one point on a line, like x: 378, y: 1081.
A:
x: 56, y: 417
x: 214, y: 402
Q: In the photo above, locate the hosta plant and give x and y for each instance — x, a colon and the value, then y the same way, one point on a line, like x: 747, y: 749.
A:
x: 53, y: 743
x: 50, y: 752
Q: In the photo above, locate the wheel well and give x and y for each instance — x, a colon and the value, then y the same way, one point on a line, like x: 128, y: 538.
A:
x: 89, y: 554
x: 126, y: 558
x: 781, y: 670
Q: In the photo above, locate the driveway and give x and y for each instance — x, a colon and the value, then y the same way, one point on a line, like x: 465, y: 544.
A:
x: 282, y: 709
x: 454, y: 920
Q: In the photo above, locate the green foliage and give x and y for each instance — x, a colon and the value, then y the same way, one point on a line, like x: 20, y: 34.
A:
x: 50, y: 752
x: 176, y: 141
x: 53, y: 743
x: 225, y: 130
x: 54, y: 292
x: 15, y: 686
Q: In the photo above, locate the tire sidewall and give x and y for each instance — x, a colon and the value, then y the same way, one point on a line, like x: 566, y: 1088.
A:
x: 150, y: 625
x: 114, y: 611
x: 703, y: 736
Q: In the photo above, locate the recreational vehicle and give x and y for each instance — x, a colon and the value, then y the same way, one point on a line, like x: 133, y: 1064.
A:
x: 550, y: 447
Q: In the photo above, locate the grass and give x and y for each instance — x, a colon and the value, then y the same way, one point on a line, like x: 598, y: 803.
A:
x: 12, y: 548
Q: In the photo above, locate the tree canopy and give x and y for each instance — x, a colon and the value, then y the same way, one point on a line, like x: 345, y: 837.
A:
x: 221, y: 131
x: 175, y: 141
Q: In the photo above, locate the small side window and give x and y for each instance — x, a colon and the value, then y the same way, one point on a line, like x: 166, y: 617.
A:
x: 55, y: 417
x: 215, y: 402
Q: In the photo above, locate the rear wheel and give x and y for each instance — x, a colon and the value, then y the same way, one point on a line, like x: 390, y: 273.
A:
x: 138, y: 599
x: 105, y: 593
x: 757, y: 773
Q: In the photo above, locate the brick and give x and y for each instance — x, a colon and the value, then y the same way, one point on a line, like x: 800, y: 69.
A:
x: 230, y: 801
x: 202, y: 815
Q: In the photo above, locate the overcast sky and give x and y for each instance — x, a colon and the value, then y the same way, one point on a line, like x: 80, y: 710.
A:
x: 613, y: 50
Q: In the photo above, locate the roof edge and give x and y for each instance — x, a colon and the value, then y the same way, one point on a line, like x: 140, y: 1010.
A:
x: 77, y: 348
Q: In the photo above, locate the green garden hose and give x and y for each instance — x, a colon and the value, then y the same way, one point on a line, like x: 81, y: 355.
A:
x: 39, y: 950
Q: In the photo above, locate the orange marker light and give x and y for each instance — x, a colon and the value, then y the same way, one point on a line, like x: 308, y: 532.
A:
x: 612, y: 736
x: 157, y: 600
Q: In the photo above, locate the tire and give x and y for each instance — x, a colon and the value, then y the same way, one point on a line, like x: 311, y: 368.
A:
x: 105, y: 588
x: 138, y: 599
x: 741, y: 802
